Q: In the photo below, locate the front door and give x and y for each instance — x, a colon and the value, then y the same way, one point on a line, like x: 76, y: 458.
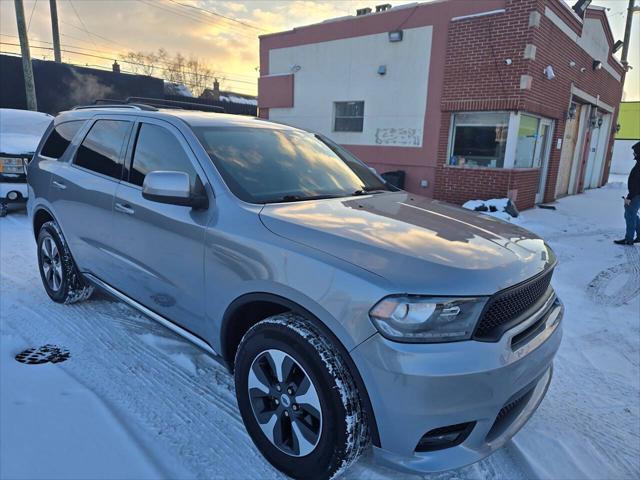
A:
x: 160, y: 247
x: 541, y: 156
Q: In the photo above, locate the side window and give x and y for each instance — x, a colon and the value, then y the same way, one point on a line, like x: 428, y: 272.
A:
x: 60, y: 138
x: 101, y: 149
x: 158, y: 149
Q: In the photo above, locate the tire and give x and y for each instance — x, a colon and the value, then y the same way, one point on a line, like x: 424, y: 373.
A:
x: 336, y: 432
x: 60, y: 277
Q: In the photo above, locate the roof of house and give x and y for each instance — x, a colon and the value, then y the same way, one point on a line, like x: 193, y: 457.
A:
x: 227, y: 96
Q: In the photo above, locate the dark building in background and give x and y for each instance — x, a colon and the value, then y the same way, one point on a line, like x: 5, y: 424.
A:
x: 60, y: 86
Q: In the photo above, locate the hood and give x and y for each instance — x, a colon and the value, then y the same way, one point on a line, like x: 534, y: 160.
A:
x: 21, y: 130
x: 420, y: 245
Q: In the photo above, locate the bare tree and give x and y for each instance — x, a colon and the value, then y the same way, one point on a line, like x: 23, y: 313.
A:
x: 191, y: 72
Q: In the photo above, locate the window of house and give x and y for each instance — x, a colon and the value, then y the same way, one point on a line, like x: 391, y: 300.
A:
x: 527, y: 140
x: 60, y: 138
x: 479, y: 139
x: 348, y: 116
x: 101, y: 149
x: 158, y: 149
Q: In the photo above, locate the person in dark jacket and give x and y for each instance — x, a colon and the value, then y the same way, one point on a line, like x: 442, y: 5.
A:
x: 632, y: 202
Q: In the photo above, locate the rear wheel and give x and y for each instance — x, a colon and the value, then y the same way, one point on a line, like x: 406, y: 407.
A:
x: 298, y: 400
x: 61, y: 279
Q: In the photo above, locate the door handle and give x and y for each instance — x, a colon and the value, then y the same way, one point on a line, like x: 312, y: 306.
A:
x: 124, y: 208
x: 59, y: 185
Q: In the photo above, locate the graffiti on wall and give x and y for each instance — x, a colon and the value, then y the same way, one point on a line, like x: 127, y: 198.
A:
x: 410, y: 137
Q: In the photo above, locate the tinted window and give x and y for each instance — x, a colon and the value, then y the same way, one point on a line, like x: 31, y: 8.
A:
x: 101, y: 149
x: 262, y: 165
x: 158, y: 149
x: 60, y: 138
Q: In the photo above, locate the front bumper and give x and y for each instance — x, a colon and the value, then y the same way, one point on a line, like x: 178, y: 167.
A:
x: 417, y: 388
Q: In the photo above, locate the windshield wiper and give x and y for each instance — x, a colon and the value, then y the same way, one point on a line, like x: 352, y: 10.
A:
x: 301, y: 198
x: 368, y: 191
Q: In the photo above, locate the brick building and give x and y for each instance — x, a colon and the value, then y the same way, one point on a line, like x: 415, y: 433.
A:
x: 481, y: 99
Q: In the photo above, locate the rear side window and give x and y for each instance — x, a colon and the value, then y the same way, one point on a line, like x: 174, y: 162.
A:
x: 158, y: 149
x: 101, y: 149
x: 60, y: 138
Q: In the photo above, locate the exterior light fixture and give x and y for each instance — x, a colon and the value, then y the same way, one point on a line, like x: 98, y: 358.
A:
x: 597, y: 65
x: 618, y: 127
x: 617, y: 46
x: 382, y: 70
x: 572, y: 64
x: 571, y: 114
x: 600, y: 122
x: 583, y: 69
x: 581, y: 6
x: 508, y: 61
x: 395, y: 36
x: 295, y: 68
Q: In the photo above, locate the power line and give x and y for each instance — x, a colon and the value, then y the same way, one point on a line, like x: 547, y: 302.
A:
x: 31, y: 15
x: 86, y: 30
x: 71, y: 52
x: 195, y: 19
x: 234, y: 77
x: 211, y: 12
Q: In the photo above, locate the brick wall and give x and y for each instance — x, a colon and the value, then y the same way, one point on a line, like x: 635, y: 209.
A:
x: 477, y: 78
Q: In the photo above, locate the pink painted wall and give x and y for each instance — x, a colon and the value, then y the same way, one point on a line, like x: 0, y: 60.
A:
x: 275, y: 91
x: 419, y: 163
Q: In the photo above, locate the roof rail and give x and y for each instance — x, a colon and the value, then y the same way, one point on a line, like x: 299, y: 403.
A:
x: 149, y: 104
x: 116, y: 104
x: 162, y: 103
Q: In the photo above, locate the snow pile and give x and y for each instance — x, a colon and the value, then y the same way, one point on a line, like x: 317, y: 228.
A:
x: 174, y: 88
x: 21, y: 130
x: 501, y: 208
x: 617, y: 181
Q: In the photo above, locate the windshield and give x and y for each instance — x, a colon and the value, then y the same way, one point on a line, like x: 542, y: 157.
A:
x: 263, y: 165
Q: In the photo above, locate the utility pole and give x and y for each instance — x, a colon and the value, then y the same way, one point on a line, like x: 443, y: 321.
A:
x: 53, y: 7
x: 627, y: 32
x: 27, y: 69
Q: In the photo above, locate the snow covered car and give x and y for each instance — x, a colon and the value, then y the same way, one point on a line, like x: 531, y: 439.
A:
x: 20, y: 133
x: 351, y: 314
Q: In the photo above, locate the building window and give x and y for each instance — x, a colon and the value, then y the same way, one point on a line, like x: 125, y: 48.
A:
x: 479, y: 139
x: 527, y: 140
x: 348, y: 116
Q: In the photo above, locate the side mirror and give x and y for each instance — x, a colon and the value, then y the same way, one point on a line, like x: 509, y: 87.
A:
x: 173, y: 188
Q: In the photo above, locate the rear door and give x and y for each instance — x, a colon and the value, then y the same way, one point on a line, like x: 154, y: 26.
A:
x: 160, y: 246
x: 82, y: 191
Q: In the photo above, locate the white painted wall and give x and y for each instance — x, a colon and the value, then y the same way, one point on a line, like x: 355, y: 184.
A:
x: 593, y: 40
x: 622, y: 160
x: 346, y: 70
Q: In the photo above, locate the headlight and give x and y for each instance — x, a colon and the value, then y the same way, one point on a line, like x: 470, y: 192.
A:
x: 426, y: 319
x: 12, y: 165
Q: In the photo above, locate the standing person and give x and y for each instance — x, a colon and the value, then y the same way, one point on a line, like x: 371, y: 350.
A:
x: 632, y: 202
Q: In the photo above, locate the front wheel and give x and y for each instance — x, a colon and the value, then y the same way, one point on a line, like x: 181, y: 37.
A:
x: 61, y: 279
x: 298, y: 399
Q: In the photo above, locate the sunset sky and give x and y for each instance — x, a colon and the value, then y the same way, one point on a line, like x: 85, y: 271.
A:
x: 99, y: 31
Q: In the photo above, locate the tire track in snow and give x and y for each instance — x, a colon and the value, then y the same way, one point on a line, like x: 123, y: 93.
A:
x: 623, y: 279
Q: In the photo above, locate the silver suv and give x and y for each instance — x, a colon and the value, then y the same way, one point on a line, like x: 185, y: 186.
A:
x: 350, y: 313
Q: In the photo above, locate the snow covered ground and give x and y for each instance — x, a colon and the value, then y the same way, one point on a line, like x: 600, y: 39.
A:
x: 135, y: 401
